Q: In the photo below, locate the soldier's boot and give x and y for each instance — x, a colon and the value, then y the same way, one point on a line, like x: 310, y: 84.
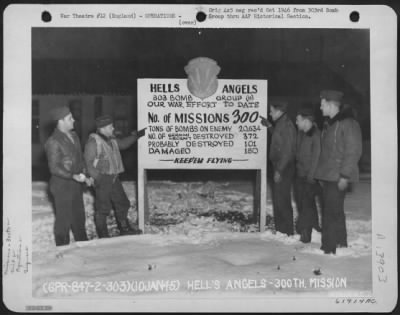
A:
x: 306, y: 235
x: 126, y: 229
x: 341, y: 241
x: 101, y: 225
x: 317, y: 228
x: 62, y: 239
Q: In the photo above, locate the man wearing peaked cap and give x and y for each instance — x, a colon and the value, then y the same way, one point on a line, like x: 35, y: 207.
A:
x: 341, y: 148
x: 103, y: 121
x: 332, y: 95
x: 307, y: 113
x: 58, y: 113
x: 104, y: 162
x: 67, y: 168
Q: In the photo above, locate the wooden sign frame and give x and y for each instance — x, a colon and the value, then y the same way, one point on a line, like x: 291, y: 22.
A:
x: 164, y: 104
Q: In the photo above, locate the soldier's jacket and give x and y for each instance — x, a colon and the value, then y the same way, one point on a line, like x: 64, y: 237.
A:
x: 64, y: 156
x: 341, y: 148
x: 307, y: 152
x: 102, y: 155
x: 283, y: 143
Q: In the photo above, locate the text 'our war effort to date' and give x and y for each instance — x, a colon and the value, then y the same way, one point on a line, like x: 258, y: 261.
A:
x: 179, y: 122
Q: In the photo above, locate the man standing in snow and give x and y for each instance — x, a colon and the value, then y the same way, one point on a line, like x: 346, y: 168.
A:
x: 282, y: 156
x: 103, y: 159
x: 341, y: 148
x: 306, y: 188
x: 67, y: 168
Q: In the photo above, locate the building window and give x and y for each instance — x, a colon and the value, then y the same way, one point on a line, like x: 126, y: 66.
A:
x: 76, y: 111
x: 121, y: 123
x: 121, y: 127
x: 35, y: 121
x: 98, y: 106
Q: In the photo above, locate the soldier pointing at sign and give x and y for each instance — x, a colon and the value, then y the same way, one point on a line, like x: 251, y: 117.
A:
x: 104, y: 163
x: 282, y: 156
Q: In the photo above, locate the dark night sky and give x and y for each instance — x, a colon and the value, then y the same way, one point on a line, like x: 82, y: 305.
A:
x: 345, y: 52
x: 296, y: 62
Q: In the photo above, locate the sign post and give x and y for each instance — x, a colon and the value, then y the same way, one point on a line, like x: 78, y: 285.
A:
x: 222, y: 131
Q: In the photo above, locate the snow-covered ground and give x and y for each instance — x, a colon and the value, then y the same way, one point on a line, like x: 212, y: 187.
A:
x: 200, y: 242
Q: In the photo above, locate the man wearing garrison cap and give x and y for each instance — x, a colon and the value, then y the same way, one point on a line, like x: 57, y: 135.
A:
x: 282, y: 156
x: 103, y: 159
x: 67, y: 169
x: 341, y: 148
x: 308, y: 149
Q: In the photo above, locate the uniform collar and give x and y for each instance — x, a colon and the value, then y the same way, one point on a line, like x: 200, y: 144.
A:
x: 104, y: 137
x: 58, y: 132
x: 334, y: 119
x: 311, y: 131
x: 283, y: 117
x: 341, y: 115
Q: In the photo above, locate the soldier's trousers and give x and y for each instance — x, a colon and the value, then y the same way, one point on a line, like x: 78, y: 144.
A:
x: 282, y: 201
x: 334, y: 232
x: 109, y: 193
x: 305, y: 194
x: 69, y: 210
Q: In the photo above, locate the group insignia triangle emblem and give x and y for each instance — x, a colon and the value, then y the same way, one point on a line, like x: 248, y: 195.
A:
x: 202, y: 77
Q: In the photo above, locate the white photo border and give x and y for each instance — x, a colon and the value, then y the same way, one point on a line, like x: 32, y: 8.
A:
x: 19, y: 19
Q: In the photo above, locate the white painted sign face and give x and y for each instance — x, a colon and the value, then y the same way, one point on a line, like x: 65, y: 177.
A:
x: 222, y: 131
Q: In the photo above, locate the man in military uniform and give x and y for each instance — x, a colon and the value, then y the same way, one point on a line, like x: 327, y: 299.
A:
x: 67, y: 168
x: 306, y: 188
x: 282, y: 156
x: 341, y: 148
x: 104, y: 163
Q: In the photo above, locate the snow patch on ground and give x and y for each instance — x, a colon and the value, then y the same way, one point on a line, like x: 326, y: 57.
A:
x: 177, y: 209
x: 189, y: 212
x: 194, y: 226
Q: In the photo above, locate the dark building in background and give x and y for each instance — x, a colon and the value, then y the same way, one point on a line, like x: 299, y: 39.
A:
x: 95, y: 71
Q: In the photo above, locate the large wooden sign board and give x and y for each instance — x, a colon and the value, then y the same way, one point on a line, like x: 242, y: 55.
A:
x: 222, y: 131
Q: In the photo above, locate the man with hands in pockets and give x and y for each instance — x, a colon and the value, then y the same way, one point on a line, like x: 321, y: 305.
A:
x: 308, y: 148
x: 67, y: 169
x: 341, y: 148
